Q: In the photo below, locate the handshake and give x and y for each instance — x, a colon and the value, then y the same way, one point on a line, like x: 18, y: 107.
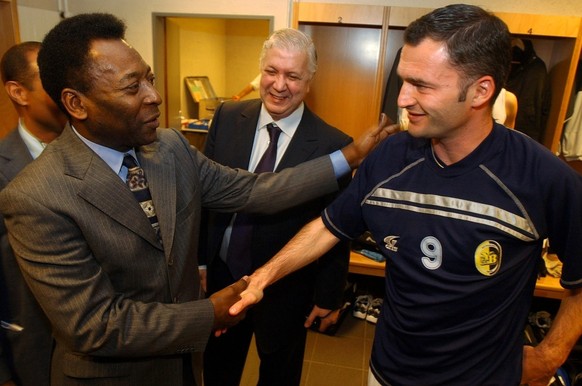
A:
x: 231, y: 303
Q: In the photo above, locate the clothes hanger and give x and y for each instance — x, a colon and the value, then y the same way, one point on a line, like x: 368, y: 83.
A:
x: 517, y: 42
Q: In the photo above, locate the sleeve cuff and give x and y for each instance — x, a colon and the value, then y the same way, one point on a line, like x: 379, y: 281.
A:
x: 339, y: 163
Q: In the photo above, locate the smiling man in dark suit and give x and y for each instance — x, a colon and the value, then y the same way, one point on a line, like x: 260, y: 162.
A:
x: 238, y: 137
x: 25, y: 337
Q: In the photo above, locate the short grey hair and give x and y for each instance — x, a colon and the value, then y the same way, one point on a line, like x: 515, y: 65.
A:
x: 294, y: 40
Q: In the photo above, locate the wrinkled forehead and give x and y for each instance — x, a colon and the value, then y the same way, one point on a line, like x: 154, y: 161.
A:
x: 112, y: 52
x: 115, y: 58
x: 425, y: 56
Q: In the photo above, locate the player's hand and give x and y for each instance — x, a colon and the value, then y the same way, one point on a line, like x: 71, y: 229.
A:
x: 535, y: 371
x: 249, y: 297
x: 322, y: 317
x: 222, y: 301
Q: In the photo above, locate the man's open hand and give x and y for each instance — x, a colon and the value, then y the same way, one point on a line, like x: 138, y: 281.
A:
x: 249, y: 297
x: 356, y: 151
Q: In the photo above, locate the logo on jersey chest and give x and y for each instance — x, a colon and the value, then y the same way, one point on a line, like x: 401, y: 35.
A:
x: 488, y: 257
x: 390, y: 243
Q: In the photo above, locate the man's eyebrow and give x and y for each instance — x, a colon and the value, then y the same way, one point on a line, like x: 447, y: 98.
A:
x: 130, y: 76
x: 416, y: 81
x: 135, y: 74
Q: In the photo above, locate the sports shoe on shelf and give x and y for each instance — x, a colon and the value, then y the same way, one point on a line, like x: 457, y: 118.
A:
x: 361, y: 306
x: 374, y: 310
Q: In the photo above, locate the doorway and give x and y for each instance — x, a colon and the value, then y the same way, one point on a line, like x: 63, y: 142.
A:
x: 223, y: 48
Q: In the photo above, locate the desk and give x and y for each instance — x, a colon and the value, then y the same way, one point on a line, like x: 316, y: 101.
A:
x: 546, y: 287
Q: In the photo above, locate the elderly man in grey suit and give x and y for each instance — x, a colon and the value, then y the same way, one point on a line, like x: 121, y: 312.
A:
x: 118, y: 280
x: 25, y: 335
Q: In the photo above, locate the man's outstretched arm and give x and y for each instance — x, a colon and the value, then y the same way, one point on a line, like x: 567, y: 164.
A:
x: 310, y: 243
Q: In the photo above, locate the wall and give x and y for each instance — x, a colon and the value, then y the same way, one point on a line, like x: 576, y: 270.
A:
x: 202, y: 51
x: 138, y: 14
x: 141, y: 16
x: 224, y: 49
x: 544, y: 7
x: 37, y: 16
x: 36, y: 22
x: 243, y: 45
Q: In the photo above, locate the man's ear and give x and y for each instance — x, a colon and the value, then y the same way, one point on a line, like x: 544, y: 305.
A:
x: 73, y: 102
x: 484, y: 89
x: 17, y: 92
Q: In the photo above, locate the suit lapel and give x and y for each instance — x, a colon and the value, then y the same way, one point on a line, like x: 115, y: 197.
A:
x: 103, y: 188
x: 244, y: 135
x: 303, y: 144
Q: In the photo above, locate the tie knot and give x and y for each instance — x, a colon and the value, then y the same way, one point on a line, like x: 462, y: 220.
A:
x: 274, y: 132
x: 129, y: 162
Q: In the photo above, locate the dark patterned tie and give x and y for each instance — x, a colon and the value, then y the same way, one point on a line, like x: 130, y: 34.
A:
x: 138, y: 185
x: 238, y: 256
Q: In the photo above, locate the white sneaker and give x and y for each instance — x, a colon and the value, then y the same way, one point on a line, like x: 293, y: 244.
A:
x: 374, y: 310
x: 361, y: 306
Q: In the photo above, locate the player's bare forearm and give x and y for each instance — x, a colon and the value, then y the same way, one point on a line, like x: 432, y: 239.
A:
x: 312, y: 241
x: 540, y: 363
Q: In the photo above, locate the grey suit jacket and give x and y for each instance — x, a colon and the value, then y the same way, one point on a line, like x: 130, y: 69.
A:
x: 25, y: 355
x: 124, y: 310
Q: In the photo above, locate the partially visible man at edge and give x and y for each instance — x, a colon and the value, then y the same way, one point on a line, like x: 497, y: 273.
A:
x: 25, y: 337
x: 121, y: 295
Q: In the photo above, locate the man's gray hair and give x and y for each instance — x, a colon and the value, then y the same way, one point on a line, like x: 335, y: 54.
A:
x: 293, y: 40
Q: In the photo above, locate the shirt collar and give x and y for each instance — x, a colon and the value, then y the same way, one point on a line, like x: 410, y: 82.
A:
x: 112, y: 157
x: 288, y: 125
x: 34, y: 145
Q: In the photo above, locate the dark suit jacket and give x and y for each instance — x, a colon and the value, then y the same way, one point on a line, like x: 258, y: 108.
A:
x: 230, y: 143
x: 25, y: 356
x: 124, y: 310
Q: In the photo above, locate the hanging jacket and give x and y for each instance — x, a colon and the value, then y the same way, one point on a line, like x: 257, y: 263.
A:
x: 529, y: 81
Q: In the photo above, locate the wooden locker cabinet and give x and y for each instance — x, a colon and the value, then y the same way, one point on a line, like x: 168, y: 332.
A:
x: 9, y: 35
x: 348, y: 89
x: 338, y: 13
x: 563, y: 34
x: 350, y: 39
x: 400, y: 17
x: 541, y: 25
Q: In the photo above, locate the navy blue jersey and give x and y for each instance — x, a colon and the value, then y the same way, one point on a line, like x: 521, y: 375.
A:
x: 462, y: 246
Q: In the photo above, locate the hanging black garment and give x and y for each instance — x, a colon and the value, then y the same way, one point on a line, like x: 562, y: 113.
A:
x: 529, y: 81
x: 390, y: 104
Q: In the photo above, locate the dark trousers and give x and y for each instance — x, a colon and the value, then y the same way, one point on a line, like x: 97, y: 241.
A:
x: 277, y: 322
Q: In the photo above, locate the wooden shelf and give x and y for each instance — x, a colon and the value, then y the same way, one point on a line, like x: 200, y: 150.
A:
x: 549, y: 287
x: 365, y: 266
x: 546, y: 287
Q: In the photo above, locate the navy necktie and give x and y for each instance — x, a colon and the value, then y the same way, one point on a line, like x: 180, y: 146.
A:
x: 238, y: 256
x: 137, y: 183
